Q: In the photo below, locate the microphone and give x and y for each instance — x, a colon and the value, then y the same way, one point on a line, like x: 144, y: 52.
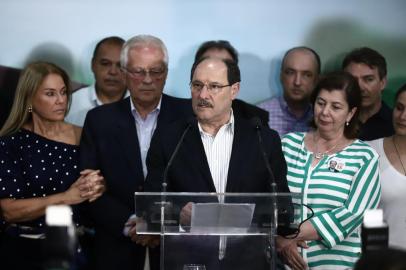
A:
x: 60, y: 240
x: 257, y: 124
x: 282, y: 216
x: 271, y: 248
x: 164, y: 205
x: 190, y: 122
x: 374, y: 231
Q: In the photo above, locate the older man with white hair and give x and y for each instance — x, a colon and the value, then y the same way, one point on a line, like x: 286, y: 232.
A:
x: 116, y: 139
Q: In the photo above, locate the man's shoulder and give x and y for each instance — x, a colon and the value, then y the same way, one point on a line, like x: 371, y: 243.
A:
x: 110, y: 108
x: 269, y: 103
x: 170, y: 133
x: 81, y: 99
x: 249, y: 111
x: 83, y: 90
x: 383, y: 116
x: 248, y: 125
x: 385, y: 112
x: 80, y: 104
x: 104, y: 117
x: 82, y: 95
x: 174, y: 107
x: 168, y: 99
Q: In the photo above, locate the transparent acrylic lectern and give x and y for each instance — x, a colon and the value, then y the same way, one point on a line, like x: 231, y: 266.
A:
x: 218, y: 230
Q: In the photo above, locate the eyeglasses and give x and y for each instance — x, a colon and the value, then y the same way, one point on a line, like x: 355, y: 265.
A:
x: 213, y: 88
x: 139, y: 74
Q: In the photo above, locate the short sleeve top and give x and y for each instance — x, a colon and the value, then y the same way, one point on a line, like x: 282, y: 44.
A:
x: 34, y: 166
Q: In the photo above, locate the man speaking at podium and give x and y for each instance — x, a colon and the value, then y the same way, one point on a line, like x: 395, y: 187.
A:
x: 219, y: 152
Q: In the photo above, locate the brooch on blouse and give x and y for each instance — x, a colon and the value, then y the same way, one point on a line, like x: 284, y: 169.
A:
x: 336, y: 165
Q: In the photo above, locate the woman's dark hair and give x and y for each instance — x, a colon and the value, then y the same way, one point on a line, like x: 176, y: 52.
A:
x: 341, y: 81
x: 400, y: 91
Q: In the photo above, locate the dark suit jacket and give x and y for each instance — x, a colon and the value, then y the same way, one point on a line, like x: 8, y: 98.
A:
x: 109, y: 143
x: 248, y: 111
x: 190, y: 172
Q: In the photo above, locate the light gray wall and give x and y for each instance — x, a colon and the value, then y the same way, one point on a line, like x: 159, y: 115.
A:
x: 65, y: 31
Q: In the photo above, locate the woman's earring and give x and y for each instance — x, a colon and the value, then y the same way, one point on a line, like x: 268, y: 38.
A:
x: 30, y: 109
x: 347, y: 123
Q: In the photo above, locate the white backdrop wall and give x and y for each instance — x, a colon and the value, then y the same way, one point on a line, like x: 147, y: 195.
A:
x: 66, y: 31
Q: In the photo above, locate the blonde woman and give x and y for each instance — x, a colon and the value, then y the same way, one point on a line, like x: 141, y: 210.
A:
x: 39, y: 164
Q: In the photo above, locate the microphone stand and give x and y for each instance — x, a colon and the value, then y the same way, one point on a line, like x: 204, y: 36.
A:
x: 274, y: 203
x: 163, y: 202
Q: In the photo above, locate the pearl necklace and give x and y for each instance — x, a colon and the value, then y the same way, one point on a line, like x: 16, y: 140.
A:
x: 397, y: 152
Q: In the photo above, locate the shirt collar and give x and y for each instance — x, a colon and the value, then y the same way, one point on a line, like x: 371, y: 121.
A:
x: 137, y: 115
x: 285, y: 108
x: 95, y: 99
x: 93, y: 96
x: 229, y: 126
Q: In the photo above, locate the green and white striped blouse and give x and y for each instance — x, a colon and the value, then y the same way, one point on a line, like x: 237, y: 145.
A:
x: 338, y: 189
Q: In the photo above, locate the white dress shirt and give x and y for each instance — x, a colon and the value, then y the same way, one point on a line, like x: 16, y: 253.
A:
x: 83, y: 100
x: 145, y: 130
x: 218, y: 152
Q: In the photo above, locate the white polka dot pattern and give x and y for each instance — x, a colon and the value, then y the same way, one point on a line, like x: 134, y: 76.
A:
x: 30, y: 164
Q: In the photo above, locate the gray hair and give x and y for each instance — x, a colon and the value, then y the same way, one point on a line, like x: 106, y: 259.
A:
x: 142, y: 40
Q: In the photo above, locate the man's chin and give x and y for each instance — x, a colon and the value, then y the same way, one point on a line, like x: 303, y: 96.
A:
x: 297, y: 98
x: 366, y: 103
x: 201, y: 116
x: 148, y: 94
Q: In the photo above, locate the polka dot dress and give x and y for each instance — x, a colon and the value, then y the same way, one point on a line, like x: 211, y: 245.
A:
x: 34, y: 166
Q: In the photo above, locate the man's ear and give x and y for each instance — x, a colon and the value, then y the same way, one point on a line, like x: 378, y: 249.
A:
x: 93, y: 63
x: 235, y: 89
x: 383, y: 83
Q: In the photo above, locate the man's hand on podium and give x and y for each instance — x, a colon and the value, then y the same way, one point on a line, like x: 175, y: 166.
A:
x: 144, y: 240
x: 150, y: 241
x: 186, y: 214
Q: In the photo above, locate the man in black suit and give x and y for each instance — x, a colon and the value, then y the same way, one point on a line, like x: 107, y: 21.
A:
x: 220, y: 152
x: 116, y: 138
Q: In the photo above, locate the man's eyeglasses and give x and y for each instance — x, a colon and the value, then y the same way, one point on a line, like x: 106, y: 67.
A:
x: 213, y: 88
x: 139, y: 74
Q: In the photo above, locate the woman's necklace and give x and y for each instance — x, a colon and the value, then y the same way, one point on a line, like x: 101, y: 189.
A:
x: 397, y: 152
x: 320, y: 155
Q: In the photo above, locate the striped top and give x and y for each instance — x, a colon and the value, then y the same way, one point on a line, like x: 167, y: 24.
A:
x: 338, y: 189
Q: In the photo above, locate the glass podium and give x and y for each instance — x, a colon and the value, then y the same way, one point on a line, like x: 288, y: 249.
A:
x: 217, y: 230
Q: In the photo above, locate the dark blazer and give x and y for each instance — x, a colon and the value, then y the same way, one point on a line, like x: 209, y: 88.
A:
x: 190, y: 172
x: 109, y: 143
x: 248, y: 111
